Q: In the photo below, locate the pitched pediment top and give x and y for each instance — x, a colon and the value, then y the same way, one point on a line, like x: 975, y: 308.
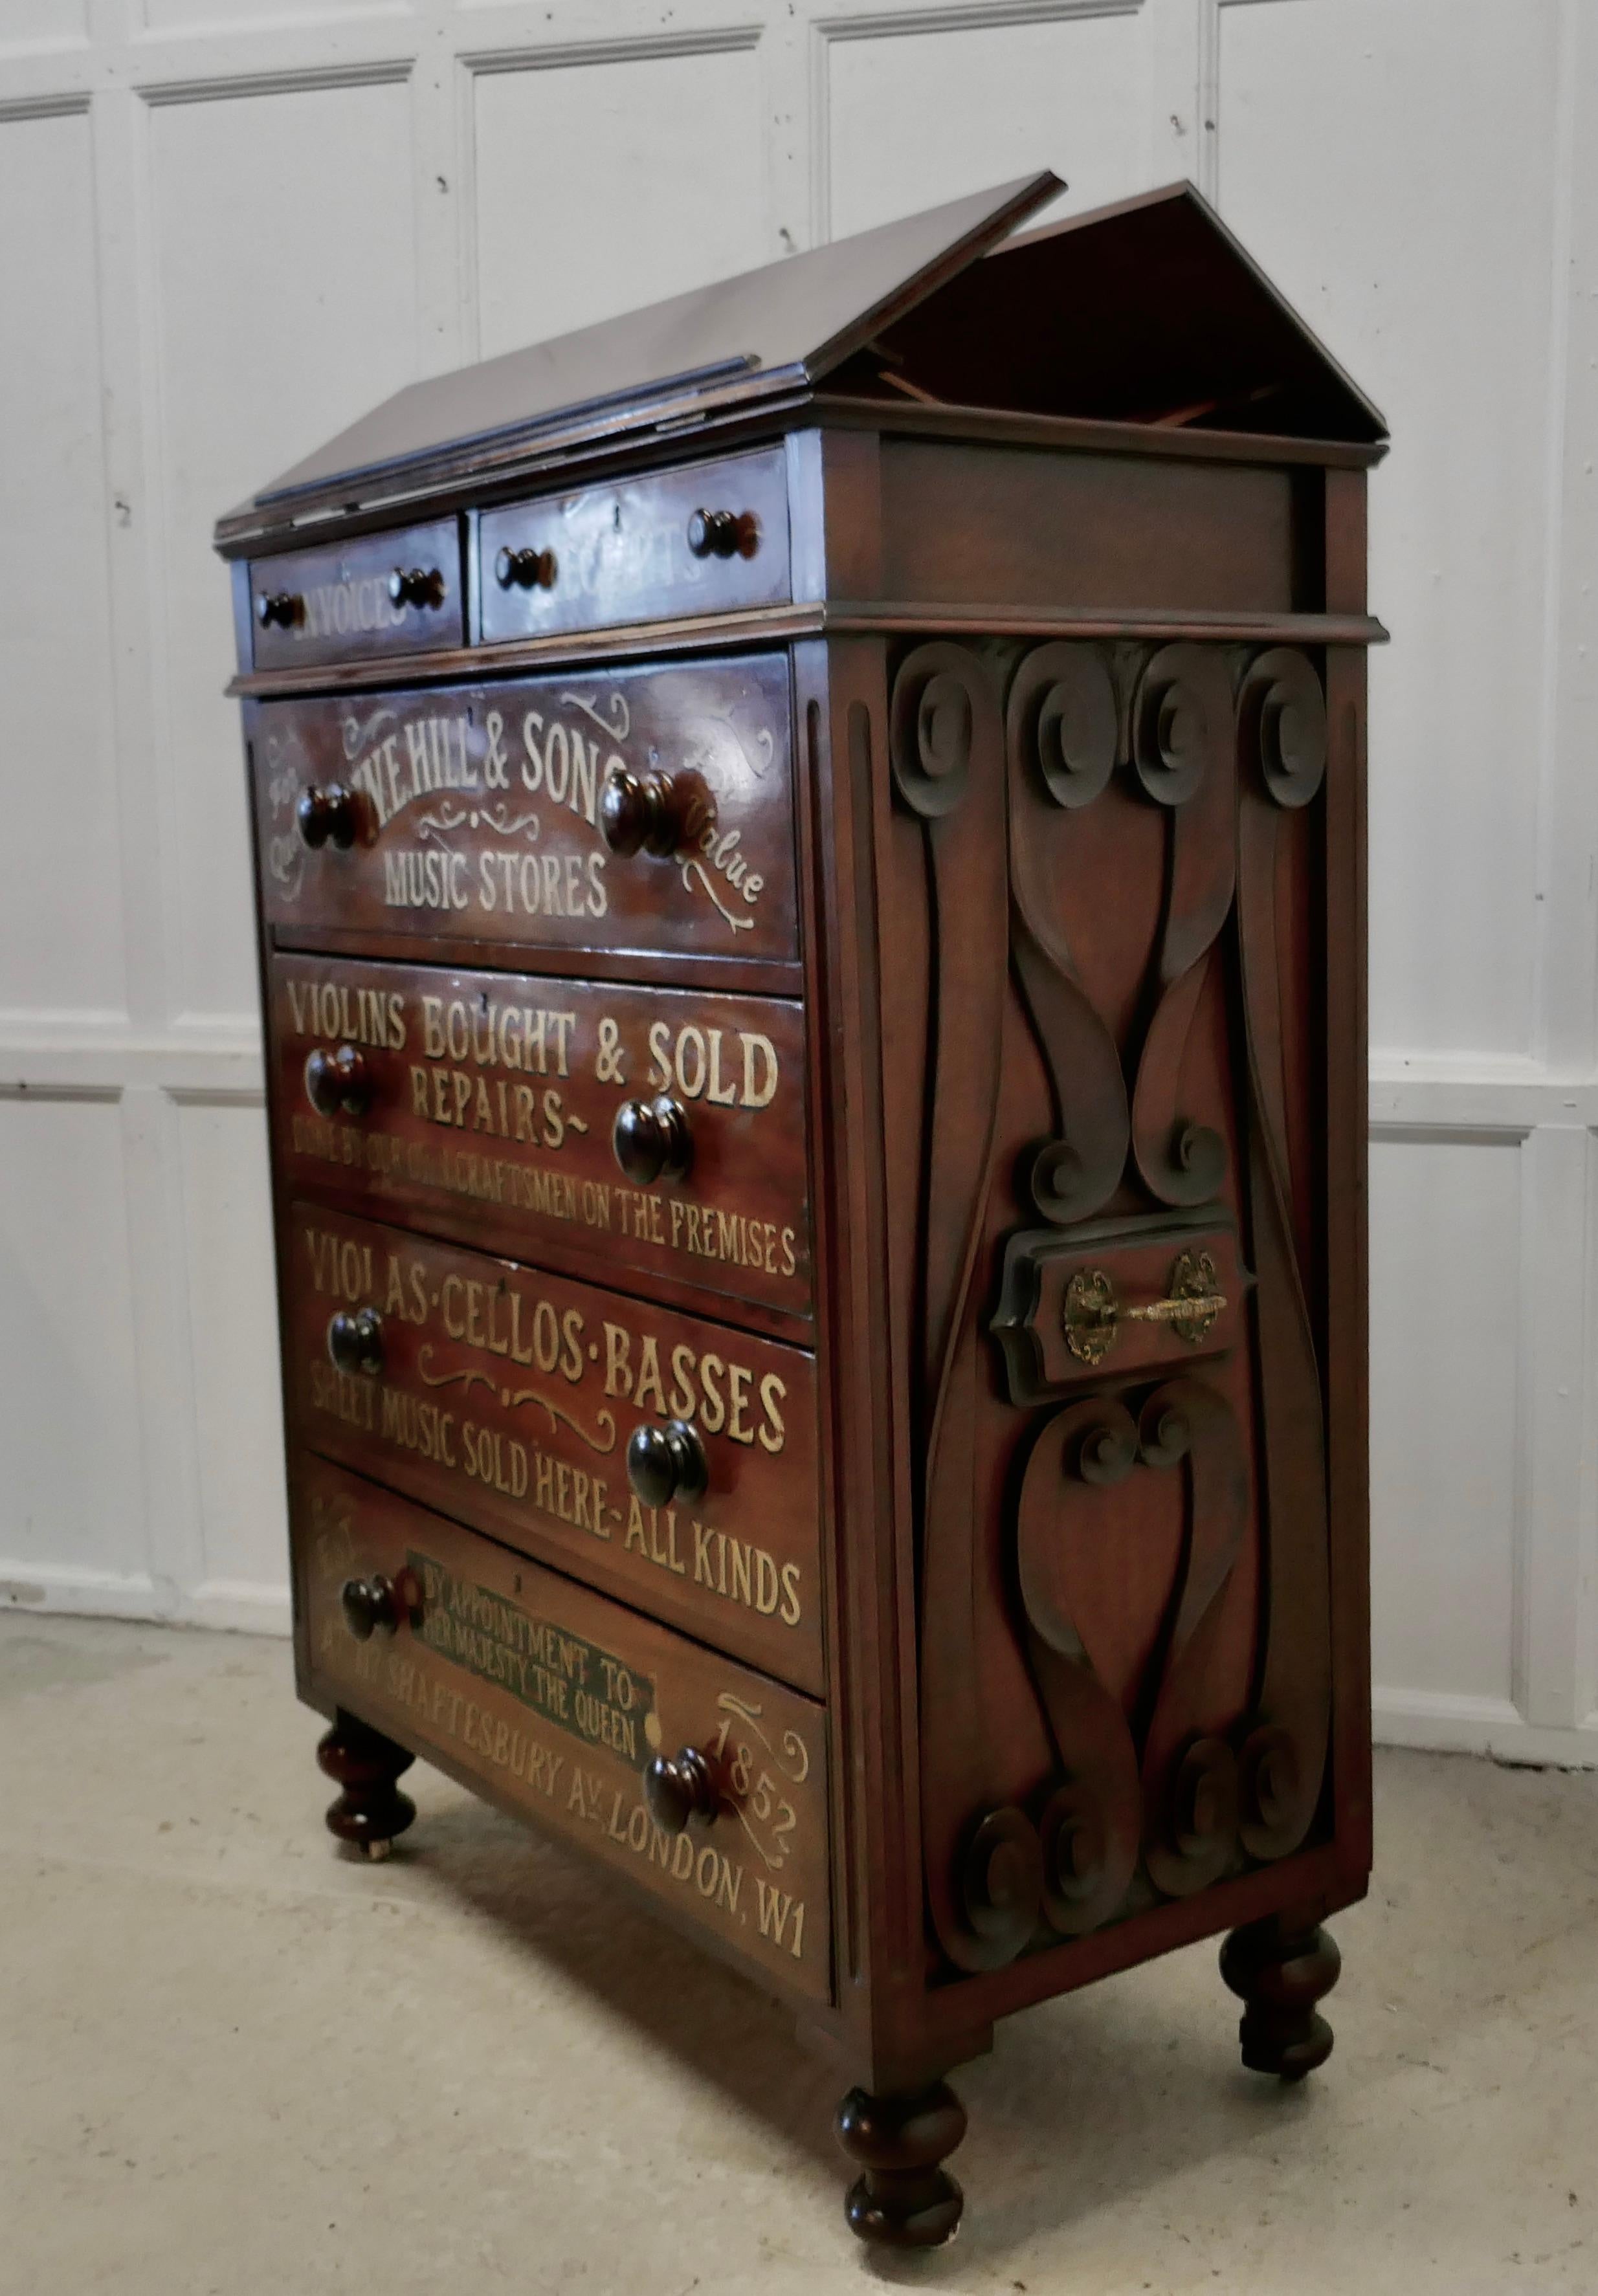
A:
x: 1149, y: 312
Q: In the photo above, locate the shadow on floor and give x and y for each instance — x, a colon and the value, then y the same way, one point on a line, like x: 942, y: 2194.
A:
x: 1084, y: 2099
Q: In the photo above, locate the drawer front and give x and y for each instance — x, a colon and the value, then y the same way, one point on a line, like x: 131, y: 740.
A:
x: 1118, y: 1299
x: 487, y: 1104
x: 477, y: 812
x: 705, y: 540
x: 513, y: 1400
x: 558, y: 1700
x: 340, y: 605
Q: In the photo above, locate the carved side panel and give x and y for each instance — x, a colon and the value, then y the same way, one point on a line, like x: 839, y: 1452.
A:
x: 1061, y: 733
x: 1282, y: 745
x: 947, y: 757
x: 1133, y: 1490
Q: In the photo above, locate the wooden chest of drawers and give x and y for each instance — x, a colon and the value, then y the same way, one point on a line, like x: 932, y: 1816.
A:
x: 809, y: 865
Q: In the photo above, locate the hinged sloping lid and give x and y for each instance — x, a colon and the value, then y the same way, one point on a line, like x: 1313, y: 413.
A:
x: 1147, y: 311
x: 786, y: 324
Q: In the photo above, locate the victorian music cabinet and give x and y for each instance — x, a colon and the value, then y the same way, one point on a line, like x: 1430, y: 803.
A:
x: 808, y: 853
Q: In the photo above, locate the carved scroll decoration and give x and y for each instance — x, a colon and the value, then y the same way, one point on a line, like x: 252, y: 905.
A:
x: 1182, y: 751
x: 1177, y: 1799
x: 1282, y: 741
x: 984, y: 1872
x: 1061, y: 730
x: 1090, y: 1824
x: 1190, y: 1791
x: 1184, y: 1801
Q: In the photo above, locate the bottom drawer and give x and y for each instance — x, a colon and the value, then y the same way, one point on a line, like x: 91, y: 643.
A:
x: 557, y: 1701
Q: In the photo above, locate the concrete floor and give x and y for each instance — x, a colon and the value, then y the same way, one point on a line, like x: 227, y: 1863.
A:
x: 233, y: 2064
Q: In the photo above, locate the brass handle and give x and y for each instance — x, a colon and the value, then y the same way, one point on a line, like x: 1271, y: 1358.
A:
x: 1092, y: 1314
x: 1194, y: 1308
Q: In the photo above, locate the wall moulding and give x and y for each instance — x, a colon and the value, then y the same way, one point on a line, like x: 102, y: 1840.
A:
x: 1445, y: 1722
x: 95, y: 1593
x: 23, y: 1089
x: 380, y: 70
x: 59, y: 105
x: 35, y: 1066
x: 209, y: 20
x: 695, y: 40
x: 234, y: 1605
x: 963, y: 16
x: 1435, y: 1096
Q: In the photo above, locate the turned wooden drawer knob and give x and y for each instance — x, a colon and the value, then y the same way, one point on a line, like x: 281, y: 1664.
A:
x: 678, y: 1787
x: 282, y: 609
x: 355, y: 1343
x: 327, y: 816
x: 371, y: 1606
x: 652, y: 1141
x: 417, y: 586
x: 668, y: 1463
x: 339, y: 1082
x: 721, y: 533
x: 640, y: 813
x: 524, y: 569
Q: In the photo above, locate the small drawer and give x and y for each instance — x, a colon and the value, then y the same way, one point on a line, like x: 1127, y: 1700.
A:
x: 652, y: 1129
x: 558, y: 1702
x: 397, y: 592
x: 1118, y: 1299
x: 644, y: 810
x: 704, y: 540
x: 669, y: 1460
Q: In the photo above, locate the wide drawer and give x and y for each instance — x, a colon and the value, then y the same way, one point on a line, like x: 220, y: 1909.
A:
x: 669, y: 1460
x: 483, y: 813
x: 397, y: 593
x: 529, y: 1113
x: 557, y: 1700
x: 704, y: 540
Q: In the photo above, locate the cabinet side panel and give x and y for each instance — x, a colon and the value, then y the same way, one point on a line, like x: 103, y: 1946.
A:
x: 1137, y: 1357
x: 274, y: 1116
x: 1007, y: 526
x: 1348, y: 1156
x: 861, y: 953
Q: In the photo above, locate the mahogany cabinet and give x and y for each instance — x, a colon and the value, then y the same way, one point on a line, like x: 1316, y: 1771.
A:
x: 810, y: 884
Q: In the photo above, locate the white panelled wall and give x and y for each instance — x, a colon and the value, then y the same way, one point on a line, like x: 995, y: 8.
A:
x: 228, y: 227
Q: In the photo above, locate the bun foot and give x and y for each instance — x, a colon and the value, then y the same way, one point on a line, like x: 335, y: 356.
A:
x: 906, y: 2198
x: 1279, y: 1971
x: 369, y: 1811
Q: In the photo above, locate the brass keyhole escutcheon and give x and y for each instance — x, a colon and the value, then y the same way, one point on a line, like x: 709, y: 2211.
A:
x: 1091, y: 1308
x: 1093, y: 1312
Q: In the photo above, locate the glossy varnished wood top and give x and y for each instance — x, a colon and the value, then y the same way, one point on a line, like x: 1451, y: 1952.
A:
x: 890, y: 616
x: 248, y: 533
